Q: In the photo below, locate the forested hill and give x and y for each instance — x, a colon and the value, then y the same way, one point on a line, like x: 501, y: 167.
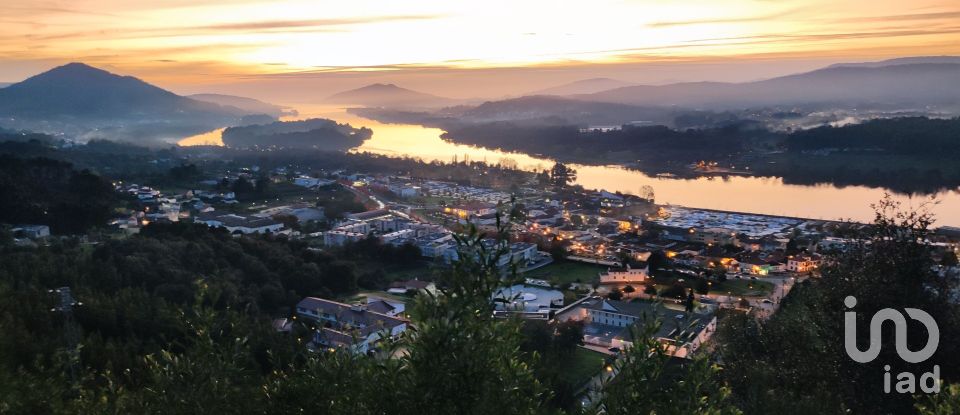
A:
x: 917, y: 136
x: 315, y: 133
x: 655, y: 146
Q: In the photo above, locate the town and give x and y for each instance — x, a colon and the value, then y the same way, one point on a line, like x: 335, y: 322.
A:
x: 606, y: 262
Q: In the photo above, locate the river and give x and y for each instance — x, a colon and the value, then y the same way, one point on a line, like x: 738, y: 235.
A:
x: 768, y: 195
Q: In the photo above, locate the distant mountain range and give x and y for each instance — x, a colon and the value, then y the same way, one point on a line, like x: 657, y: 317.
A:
x: 895, y: 84
x: 901, y: 61
x: 584, y: 86
x: 387, y: 95
x: 546, y: 109
x: 84, y: 102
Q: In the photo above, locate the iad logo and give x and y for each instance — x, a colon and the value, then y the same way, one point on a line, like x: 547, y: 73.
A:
x: 906, y: 381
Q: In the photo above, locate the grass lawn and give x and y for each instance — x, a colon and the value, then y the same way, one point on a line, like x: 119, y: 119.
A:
x: 582, y: 365
x: 567, y: 271
x: 744, y: 287
x: 414, y: 271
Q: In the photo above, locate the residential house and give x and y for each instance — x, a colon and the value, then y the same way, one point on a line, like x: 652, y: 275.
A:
x: 30, y: 231
x: 762, y: 263
x: 803, y: 262
x: 311, y: 182
x: 385, y: 306
x: 351, y: 326
x: 340, y: 237
x: 237, y: 223
x: 610, y: 323
x: 471, y: 209
x: 624, y: 275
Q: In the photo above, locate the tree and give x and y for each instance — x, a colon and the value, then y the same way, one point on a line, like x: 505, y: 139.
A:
x: 647, y: 384
x: 947, y: 402
x: 702, y: 286
x: 629, y: 289
x: 615, y: 294
x: 650, y: 289
x: 185, y: 173
x: 576, y: 220
x: 561, y: 175
x: 675, y: 290
x: 949, y: 259
x: 658, y: 260
x: 457, y: 322
x: 889, y: 268
x: 242, y: 188
x: 646, y: 193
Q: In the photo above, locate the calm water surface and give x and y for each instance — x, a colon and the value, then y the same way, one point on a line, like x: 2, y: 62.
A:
x: 745, y: 194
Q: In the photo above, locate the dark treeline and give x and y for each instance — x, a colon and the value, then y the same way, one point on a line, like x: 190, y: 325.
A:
x: 902, y: 176
x: 907, y: 155
x: 657, y: 146
x: 133, y: 291
x: 51, y: 192
x: 314, y: 133
x: 916, y: 136
x: 131, y: 163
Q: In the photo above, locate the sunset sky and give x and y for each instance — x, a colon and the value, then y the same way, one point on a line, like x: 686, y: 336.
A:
x: 241, y: 45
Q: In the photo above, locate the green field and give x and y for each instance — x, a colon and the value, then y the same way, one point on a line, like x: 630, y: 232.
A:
x: 563, y: 272
x: 583, y: 364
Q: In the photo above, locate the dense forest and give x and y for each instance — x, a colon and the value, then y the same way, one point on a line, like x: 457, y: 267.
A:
x: 314, y: 133
x: 656, y: 147
x: 913, y: 136
x: 50, y: 192
x: 908, y: 155
x: 131, y: 163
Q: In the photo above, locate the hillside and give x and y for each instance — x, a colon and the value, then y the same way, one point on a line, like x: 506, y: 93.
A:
x: 908, y: 85
x: 83, y: 102
x: 583, y: 86
x: 558, y: 110
x: 387, y: 95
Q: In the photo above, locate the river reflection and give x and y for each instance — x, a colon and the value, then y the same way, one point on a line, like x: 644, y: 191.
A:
x: 745, y: 194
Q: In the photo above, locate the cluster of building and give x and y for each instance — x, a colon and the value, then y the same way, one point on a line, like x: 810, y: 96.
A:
x: 434, y: 241
x: 358, y: 327
x: 612, y: 323
x: 201, y: 205
x: 459, y: 192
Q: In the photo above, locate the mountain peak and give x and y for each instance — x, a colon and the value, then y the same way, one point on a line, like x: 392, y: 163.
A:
x: 80, y: 91
x: 75, y: 69
x: 380, y: 94
x: 381, y: 86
